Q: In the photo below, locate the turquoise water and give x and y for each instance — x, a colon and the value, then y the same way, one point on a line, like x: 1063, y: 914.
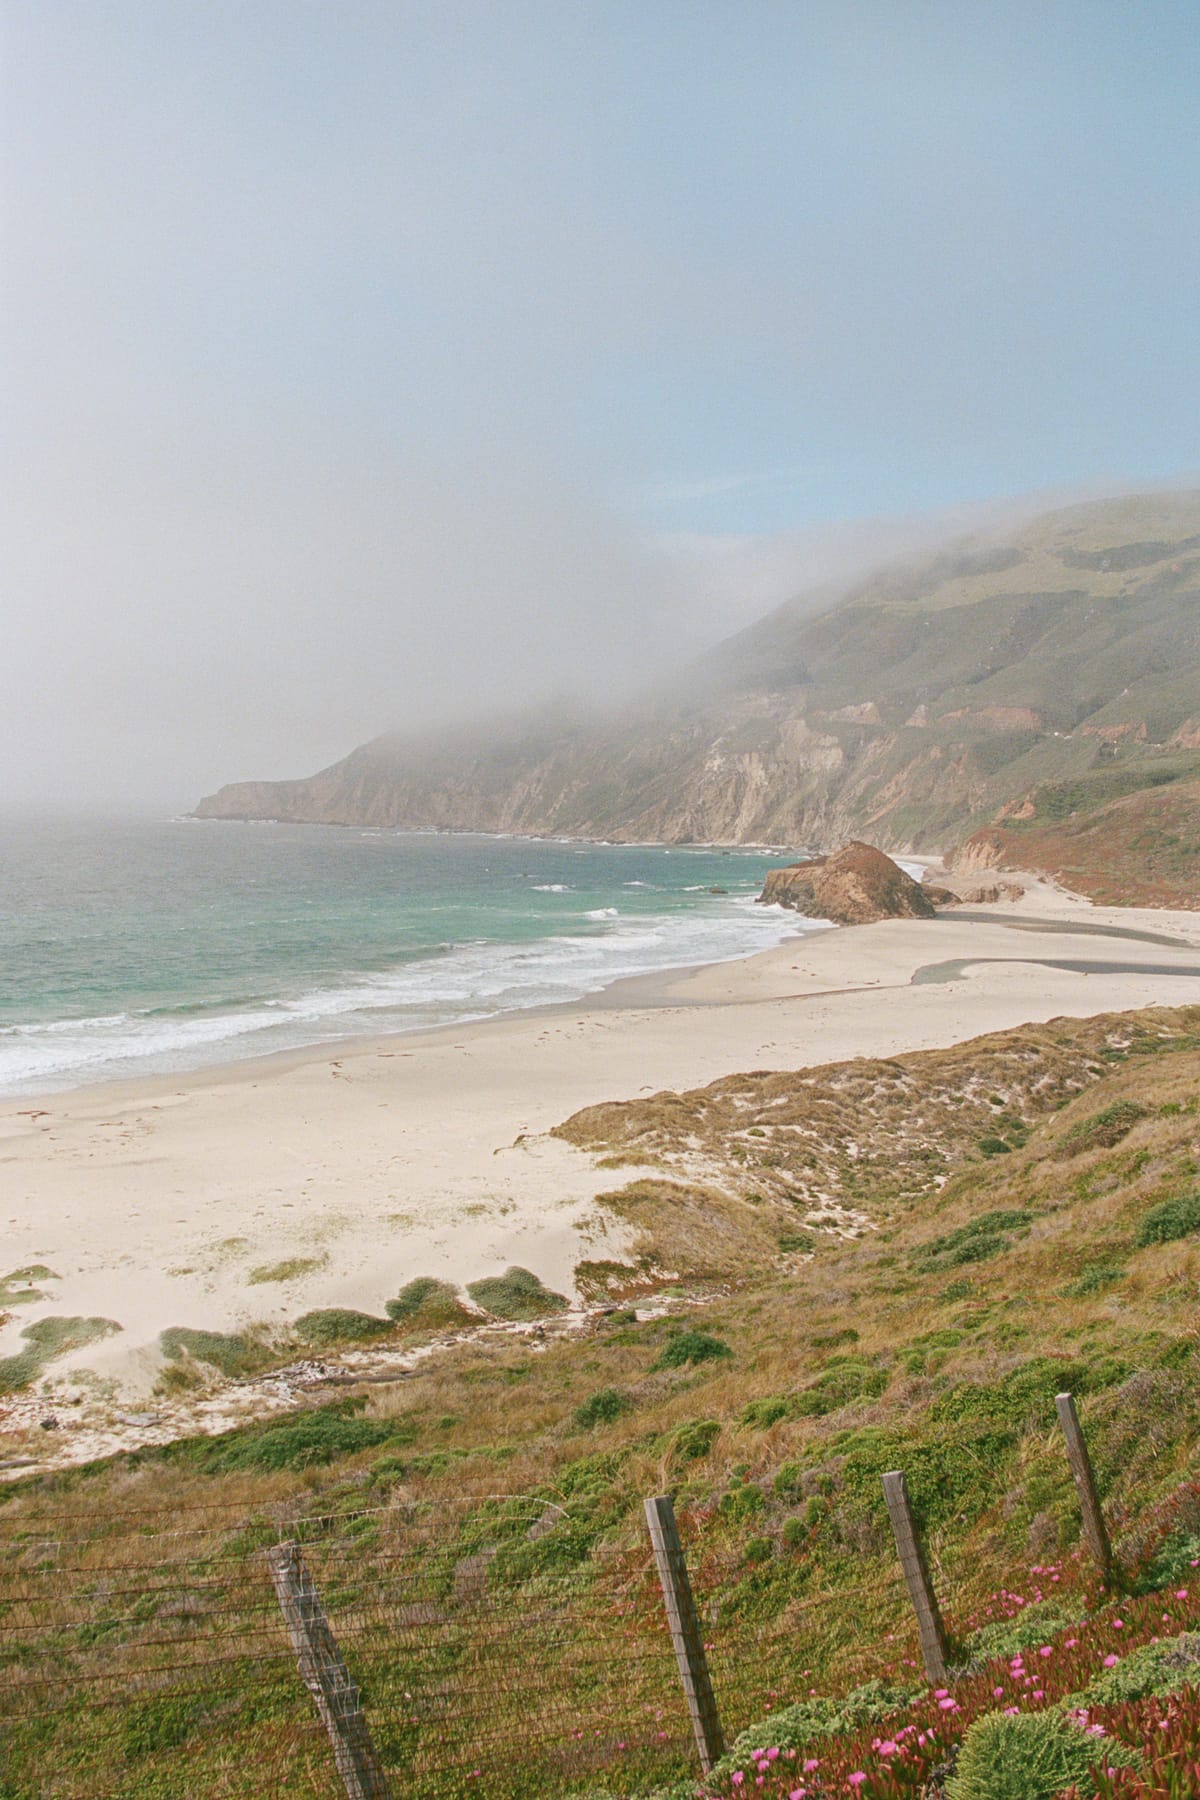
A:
x: 138, y: 946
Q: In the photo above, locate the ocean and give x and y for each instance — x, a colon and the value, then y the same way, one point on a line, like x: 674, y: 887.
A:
x: 144, y: 946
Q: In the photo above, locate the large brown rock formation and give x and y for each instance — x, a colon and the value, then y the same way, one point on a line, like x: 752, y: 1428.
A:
x: 857, y: 885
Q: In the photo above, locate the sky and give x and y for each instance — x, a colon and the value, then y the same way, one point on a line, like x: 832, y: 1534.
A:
x: 366, y: 364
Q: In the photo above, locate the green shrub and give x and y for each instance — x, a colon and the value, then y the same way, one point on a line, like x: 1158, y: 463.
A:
x: 1151, y: 1669
x: 426, y: 1301
x: 58, y: 1336
x: 690, y: 1442
x: 232, y: 1353
x: 795, y: 1531
x: 517, y: 1295
x: 758, y: 1549
x: 1103, y: 1130
x: 1034, y: 1624
x: 788, y: 1479
x: 18, y: 1371
x: 1094, y: 1280
x: 1028, y: 1756
x: 1026, y: 1393
x: 767, y: 1411
x: 1174, y: 1559
x: 602, y: 1408
x: 691, y: 1347
x: 741, y: 1503
x: 48, y: 1338
x: 974, y: 1242
x: 302, y: 1441
x: 1170, y: 1220
x: 17, y: 1287
x: 795, y: 1727
x: 843, y: 1380
x: 331, y: 1325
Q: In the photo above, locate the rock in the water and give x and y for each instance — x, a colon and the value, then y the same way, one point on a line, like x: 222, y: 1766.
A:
x: 857, y: 885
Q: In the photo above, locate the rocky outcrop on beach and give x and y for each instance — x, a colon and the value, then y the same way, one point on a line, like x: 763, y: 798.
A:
x: 990, y: 893
x: 857, y: 885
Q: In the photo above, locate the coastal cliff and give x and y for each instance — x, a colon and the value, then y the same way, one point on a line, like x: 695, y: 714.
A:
x: 1011, y: 688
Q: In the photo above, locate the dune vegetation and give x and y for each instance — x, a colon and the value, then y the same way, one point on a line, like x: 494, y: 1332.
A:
x: 931, y: 1248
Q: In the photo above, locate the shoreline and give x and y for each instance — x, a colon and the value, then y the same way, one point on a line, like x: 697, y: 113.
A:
x: 159, y: 1201
x: 449, y: 969
x: 648, y: 988
x: 516, y: 837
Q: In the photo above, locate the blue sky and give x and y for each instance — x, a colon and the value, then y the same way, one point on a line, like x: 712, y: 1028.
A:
x: 623, y: 273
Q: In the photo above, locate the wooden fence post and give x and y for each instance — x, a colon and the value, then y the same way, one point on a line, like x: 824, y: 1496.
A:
x: 686, y: 1635
x: 324, y: 1673
x: 1094, y: 1528
x: 931, y: 1632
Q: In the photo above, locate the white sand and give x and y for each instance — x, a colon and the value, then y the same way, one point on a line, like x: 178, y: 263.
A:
x: 425, y: 1155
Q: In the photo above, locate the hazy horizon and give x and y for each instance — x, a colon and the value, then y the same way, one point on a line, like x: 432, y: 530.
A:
x: 376, y: 367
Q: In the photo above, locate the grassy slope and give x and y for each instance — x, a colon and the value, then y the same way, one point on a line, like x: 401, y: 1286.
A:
x: 997, y: 1190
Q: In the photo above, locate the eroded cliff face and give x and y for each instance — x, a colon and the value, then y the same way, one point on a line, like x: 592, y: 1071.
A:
x: 936, y: 700
x: 634, y: 783
x: 857, y: 885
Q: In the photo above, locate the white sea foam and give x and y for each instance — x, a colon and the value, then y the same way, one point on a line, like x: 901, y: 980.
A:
x: 551, y: 887
x: 467, y: 981
x: 602, y: 912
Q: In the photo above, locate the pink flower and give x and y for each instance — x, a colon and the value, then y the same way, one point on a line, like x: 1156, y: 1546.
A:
x: 858, y: 1777
x: 1110, y: 1662
x: 1045, y: 1650
x: 997, y: 1691
x: 948, y: 1705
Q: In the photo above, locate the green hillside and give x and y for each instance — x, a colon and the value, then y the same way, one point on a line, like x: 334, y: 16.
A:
x: 936, y: 698
x: 903, y: 1262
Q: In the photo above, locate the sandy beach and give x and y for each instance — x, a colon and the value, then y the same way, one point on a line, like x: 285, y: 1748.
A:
x: 155, y: 1203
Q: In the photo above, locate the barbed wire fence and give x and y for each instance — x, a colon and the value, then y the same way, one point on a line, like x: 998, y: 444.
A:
x: 493, y: 1652
x: 488, y: 1645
